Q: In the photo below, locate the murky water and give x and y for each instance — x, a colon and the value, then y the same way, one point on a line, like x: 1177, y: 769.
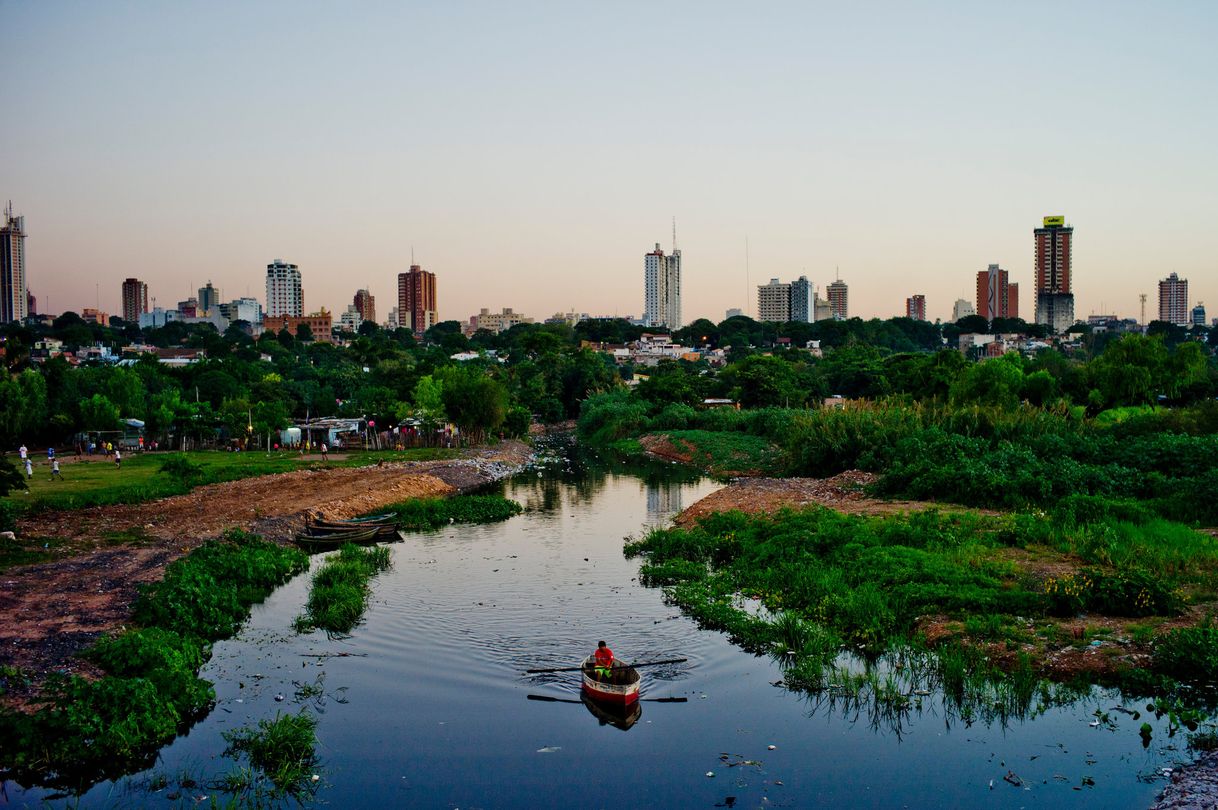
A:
x: 426, y: 704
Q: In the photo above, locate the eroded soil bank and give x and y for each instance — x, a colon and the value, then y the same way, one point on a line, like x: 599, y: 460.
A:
x: 53, y: 610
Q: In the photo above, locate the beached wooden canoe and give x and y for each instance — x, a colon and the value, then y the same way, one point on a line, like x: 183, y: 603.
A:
x: 621, y: 687
x: 324, y: 541
x: 388, y: 529
x: 388, y: 517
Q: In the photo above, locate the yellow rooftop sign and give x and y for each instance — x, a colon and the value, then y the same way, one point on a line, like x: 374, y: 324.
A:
x: 1051, y: 222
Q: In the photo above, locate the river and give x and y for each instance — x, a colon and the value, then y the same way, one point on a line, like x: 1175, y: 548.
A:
x: 429, y: 706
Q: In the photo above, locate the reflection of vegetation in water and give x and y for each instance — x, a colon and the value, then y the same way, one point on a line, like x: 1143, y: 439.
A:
x: 432, y: 513
x: 340, y: 589
x: 566, y: 474
x: 806, y: 585
x: 85, y: 731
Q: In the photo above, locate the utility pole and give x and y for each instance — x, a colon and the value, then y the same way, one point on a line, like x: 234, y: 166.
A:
x: 1142, y: 298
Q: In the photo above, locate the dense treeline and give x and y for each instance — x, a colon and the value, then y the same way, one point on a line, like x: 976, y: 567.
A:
x: 241, y: 382
x: 541, y: 371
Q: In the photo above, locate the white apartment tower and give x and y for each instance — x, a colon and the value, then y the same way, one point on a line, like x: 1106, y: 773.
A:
x: 662, y: 289
x: 774, y: 301
x: 13, y: 300
x: 283, y: 293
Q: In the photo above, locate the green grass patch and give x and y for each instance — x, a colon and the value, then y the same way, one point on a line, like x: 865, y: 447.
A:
x: 340, y: 589
x: 85, y: 731
x: 727, y: 453
x: 145, y: 477
x: 283, y: 749
x: 420, y: 514
x: 791, y: 583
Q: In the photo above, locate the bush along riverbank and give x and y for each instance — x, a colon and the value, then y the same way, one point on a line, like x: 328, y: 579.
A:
x: 1005, y: 614
x: 983, y: 456
x: 340, y: 589
x: 82, y: 731
x: 422, y: 514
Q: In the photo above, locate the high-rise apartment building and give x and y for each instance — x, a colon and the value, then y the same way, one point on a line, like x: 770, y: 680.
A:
x: 1199, y: 314
x: 1054, y: 298
x: 14, y: 303
x: 774, y: 301
x: 417, y: 299
x: 838, y: 303
x: 1173, y: 300
x: 242, y: 309
x: 915, y: 307
x: 662, y: 289
x: 962, y: 309
x: 365, y: 305
x: 135, y: 299
x: 283, y: 292
x: 996, y: 296
x: 209, y: 300
x: 803, y: 300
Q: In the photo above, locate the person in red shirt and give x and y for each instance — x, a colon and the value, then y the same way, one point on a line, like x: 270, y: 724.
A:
x: 604, y: 661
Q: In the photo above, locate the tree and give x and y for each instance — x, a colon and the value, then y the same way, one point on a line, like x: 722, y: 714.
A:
x: 10, y: 479
x: 1131, y: 371
x: 304, y: 333
x: 99, y: 413
x: 761, y: 381
x: 474, y: 401
x: 23, y: 405
x: 997, y: 382
x: 126, y: 390
x: 974, y: 325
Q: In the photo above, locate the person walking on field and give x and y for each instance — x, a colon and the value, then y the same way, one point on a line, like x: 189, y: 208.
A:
x: 118, y: 458
x: 55, y: 470
x: 24, y: 452
x: 29, y: 468
x: 325, y: 452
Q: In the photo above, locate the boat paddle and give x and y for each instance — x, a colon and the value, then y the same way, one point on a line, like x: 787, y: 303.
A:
x: 580, y: 669
x: 549, y: 699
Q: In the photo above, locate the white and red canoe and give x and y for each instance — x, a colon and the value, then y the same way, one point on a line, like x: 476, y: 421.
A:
x: 621, y: 687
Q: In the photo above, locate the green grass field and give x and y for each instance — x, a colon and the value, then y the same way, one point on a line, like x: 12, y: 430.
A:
x: 95, y: 481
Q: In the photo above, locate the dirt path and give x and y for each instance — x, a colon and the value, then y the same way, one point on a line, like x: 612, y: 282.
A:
x: 844, y: 492
x: 52, y: 610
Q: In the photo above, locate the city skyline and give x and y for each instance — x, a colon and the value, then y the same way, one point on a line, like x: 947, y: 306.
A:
x: 814, y: 134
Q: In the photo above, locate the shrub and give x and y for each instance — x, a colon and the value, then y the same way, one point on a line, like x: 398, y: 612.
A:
x: 1189, y: 654
x: 1128, y: 593
x: 284, y: 749
x: 339, y: 593
x: 432, y: 513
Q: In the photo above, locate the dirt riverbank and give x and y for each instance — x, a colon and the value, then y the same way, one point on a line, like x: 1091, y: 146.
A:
x: 845, y: 492
x: 54, y: 609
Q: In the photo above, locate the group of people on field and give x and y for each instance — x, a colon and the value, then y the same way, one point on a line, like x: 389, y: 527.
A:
x: 27, y: 463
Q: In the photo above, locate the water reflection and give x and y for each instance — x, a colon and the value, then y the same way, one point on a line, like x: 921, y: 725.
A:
x: 663, y: 501
x: 607, y: 714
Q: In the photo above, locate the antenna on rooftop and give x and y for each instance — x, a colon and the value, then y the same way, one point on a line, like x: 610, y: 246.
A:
x: 747, y: 308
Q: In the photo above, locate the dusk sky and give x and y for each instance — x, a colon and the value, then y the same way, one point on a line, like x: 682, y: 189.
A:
x: 531, y: 153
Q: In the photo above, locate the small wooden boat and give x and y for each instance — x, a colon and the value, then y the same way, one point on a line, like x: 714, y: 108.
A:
x: 388, y: 517
x: 621, y: 687
x: 324, y: 541
x: 387, y: 529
